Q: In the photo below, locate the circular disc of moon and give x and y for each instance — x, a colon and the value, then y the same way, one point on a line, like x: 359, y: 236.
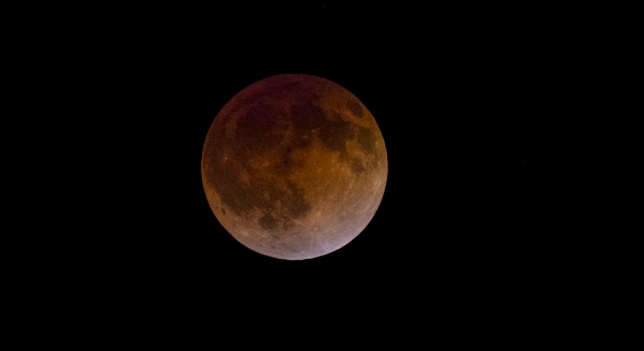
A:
x: 294, y: 166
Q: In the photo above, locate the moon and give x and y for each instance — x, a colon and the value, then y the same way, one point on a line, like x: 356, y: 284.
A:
x: 294, y: 166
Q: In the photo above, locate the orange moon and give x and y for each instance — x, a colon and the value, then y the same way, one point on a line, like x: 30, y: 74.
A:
x: 294, y: 166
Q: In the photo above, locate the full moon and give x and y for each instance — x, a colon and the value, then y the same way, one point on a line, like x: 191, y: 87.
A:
x: 294, y: 166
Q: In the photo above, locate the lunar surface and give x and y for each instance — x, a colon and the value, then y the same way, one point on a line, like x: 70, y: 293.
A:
x: 294, y: 166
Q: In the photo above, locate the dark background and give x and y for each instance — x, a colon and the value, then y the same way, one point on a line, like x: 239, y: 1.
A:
x: 469, y: 101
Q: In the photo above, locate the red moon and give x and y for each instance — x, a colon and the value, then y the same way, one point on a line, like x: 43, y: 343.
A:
x: 294, y: 166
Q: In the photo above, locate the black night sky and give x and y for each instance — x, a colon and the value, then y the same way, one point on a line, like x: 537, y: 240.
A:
x: 464, y: 99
